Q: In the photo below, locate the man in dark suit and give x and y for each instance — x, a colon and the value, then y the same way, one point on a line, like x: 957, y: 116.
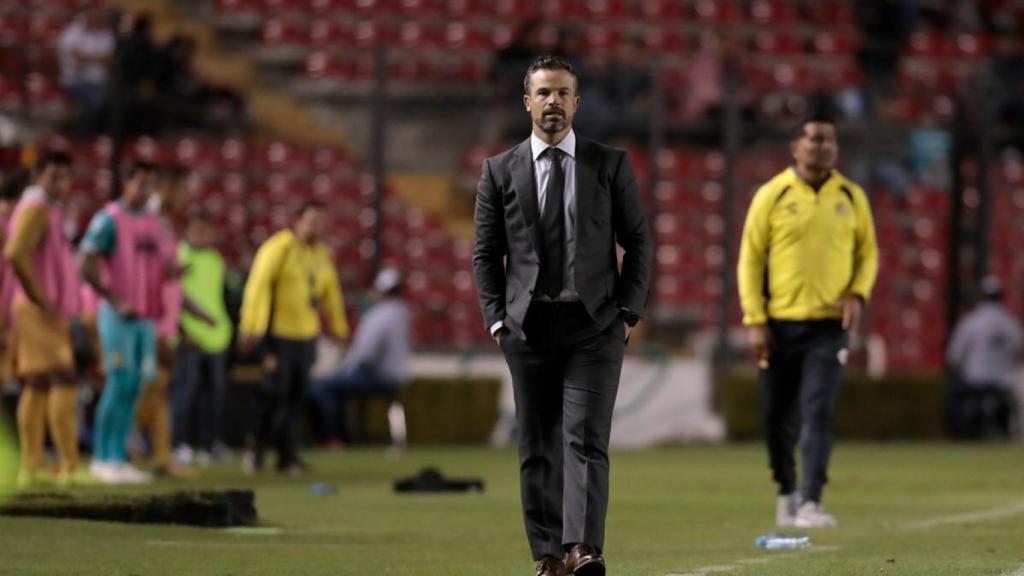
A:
x: 549, y: 213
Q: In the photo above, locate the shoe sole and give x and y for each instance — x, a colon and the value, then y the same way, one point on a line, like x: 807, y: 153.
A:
x: 592, y: 568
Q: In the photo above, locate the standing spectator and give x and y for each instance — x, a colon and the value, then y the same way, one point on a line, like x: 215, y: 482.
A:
x: 809, y: 245
x: 14, y: 183
x: 47, y: 297
x: 153, y: 410
x: 291, y: 283
x: 985, y: 352
x: 199, y: 374
x: 377, y: 362
x: 122, y: 259
x: 85, y: 50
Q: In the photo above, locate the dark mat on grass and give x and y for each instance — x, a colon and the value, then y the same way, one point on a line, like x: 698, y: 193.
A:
x: 222, y: 508
x: 431, y: 480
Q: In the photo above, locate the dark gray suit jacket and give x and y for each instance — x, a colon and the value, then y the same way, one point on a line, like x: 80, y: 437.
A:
x: 609, y: 211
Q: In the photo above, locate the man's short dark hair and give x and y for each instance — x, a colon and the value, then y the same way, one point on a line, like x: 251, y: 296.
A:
x: 817, y: 116
x: 138, y: 166
x: 309, y: 205
x: 51, y: 158
x: 549, y: 63
x: 14, y: 183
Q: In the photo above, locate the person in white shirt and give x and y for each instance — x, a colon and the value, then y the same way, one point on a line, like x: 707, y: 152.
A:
x: 377, y: 362
x: 984, y: 353
x: 85, y: 50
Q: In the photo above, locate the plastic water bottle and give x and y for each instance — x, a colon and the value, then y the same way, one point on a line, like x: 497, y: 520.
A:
x: 776, y: 541
x: 322, y: 489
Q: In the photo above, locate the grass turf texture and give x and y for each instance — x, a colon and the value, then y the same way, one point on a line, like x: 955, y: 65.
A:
x: 927, y: 509
x: 209, y: 508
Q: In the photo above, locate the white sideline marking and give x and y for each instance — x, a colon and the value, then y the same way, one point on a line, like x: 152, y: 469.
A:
x: 968, y: 517
x: 954, y: 520
x: 250, y: 531
x: 199, y: 544
x: 743, y: 563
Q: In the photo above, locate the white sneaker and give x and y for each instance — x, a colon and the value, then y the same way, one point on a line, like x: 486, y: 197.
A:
x: 183, y: 455
x: 786, y: 509
x: 129, y: 474
x: 812, y: 515
x: 105, y: 472
x: 203, y: 459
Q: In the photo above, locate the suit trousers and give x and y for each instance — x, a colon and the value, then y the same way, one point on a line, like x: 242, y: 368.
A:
x: 565, y: 376
x: 798, y: 400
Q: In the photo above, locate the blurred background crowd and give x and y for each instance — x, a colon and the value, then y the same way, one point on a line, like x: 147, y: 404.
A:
x: 382, y: 111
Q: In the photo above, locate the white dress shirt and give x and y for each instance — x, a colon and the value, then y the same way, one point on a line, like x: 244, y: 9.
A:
x: 541, y: 174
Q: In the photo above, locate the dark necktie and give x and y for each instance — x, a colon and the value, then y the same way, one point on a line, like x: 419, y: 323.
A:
x: 552, y: 262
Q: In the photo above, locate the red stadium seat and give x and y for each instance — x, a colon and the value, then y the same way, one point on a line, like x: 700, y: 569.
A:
x: 663, y: 39
x: 834, y: 14
x: 421, y: 9
x: 373, y: 9
x: 283, y: 157
x: 234, y: 153
x: 719, y: 12
x: 468, y: 8
x: 972, y: 46
x: 325, y: 33
x: 930, y: 45
x: 290, y: 7
x: 773, y: 13
x: 461, y: 35
x: 661, y: 11
x: 829, y: 43
x: 329, y: 159
x: 604, y: 10
x: 561, y: 9
x: 254, y: 7
x: 330, y: 7
x: 283, y: 32
x: 45, y: 27
x: 44, y: 98
x: 195, y: 153
x: 12, y: 28
x: 148, y: 149
x: 10, y: 95
x: 769, y: 42
x: 414, y: 34
x: 516, y: 10
x: 601, y: 39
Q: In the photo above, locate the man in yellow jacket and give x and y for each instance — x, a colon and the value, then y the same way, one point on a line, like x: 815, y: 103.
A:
x: 291, y: 284
x: 807, y: 264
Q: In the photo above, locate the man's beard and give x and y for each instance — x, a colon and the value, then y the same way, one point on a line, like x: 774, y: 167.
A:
x: 552, y: 124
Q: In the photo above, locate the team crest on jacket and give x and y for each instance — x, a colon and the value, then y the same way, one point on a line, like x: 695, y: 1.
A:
x: 842, y: 209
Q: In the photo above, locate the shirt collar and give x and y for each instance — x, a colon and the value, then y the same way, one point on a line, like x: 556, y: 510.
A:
x: 567, y: 145
x: 36, y: 192
x: 796, y: 173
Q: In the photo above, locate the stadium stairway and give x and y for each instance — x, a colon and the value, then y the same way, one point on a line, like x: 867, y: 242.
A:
x: 272, y: 109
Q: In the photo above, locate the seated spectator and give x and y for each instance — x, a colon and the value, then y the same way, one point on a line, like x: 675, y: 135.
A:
x: 85, y: 49
x: 377, y: 362
x: 984, y: 354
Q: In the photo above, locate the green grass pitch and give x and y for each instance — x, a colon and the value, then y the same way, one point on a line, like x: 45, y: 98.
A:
x: 928, y: 509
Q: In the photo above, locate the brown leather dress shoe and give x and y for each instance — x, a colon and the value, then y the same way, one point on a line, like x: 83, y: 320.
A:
x: 584, y: 561
x: 550, y: 566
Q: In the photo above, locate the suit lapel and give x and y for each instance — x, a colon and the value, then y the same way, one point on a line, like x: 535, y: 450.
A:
x: 525, y: 186
x: 586, y: 183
